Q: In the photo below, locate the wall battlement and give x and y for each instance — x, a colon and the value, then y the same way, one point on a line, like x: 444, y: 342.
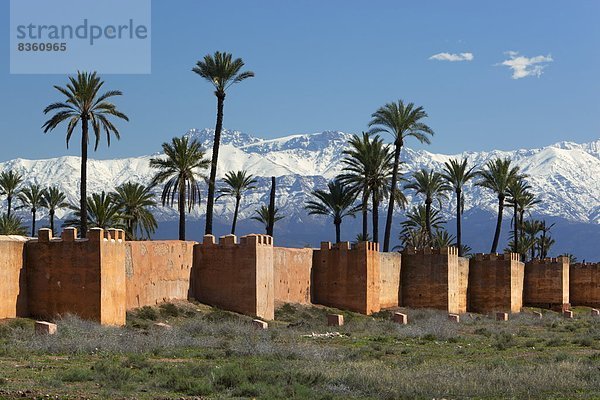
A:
x: 496, y: 256
x: 430, y: 250
x: 584, y: 284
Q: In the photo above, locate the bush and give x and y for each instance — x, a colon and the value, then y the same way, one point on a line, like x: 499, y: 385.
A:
x: 147, y: 312
x: 77, y: 375
x: 169, y: 310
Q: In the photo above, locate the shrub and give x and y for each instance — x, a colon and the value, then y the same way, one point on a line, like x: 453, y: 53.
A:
x: 169, y: 310
x: 147, y: 312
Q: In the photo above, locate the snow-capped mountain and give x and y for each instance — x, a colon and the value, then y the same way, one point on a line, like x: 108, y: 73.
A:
x: 564, y: 176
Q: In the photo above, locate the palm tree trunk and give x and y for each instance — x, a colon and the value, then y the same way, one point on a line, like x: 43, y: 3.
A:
x: 271, y: 222
x: 182, y: 212
x: 9, y: 200
x: 498, y: 224
x: 428, y: 220
x: 83, y: 184
x: 365, y: 211
x: 210, y: 200
x: 516, y: 228
x: 52, y: 221
x: 33, y: 222
x: 338, y: 232
x: 390, y: 211
x: 459, y: 223
x: 235, y: 214
x: 375, y: 218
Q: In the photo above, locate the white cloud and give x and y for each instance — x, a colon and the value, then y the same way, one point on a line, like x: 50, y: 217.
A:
x: 523, y: 67
x: 452, y: 57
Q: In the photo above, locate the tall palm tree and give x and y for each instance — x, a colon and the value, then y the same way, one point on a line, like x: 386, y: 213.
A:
x: 180, y: 171
x: 432, y: 186
x: 337, y: 201
x: 222, y: 71
x: 238, y: 182
x: 54, y: 200
x: 457, y: 175
x: 11, y: 225
x: 545, y: 241
x: 32, y: 197
x: 84, y: 104
x: 526, y: 203
x: 517, y: 191
x: 367, y: 170
x: 264, y: 216
x: 531, y: 228
x: 103, y: 212
x: 9, y: 187
x: 401, y: 121
x: 134, y: 201
x: 497, y: 176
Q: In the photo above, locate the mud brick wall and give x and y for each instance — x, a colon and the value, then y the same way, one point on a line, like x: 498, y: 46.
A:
x: 158, y: 271
x: 13, y: 278
x: 584, y: 284
x: 546, y: 283
x: 496, y: 283
x: 430, y: 278
x: 463, y: 282
x: 236, y: 277
x: 83, y: 277
x: 292, y: 270
x: 389, y: 286
x: 347, y: 278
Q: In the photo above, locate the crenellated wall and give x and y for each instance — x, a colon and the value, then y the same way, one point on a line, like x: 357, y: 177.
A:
x: 292, y: 269
x: 158, y: 271
x: 546, y: 283
x: 347, y: 277
x: 236, y: 277
x: 584, y: 284
x: 80, y: 276
x: 495, y: 283
x: 431, y: 278
x: 13, y: 279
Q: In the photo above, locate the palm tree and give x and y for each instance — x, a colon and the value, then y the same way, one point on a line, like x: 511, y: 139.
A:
x: 367, y: 170
x: 414, y: 228
x: 238, y: 182
x: 497, y: 176
x: 442, y: 238
x: 32, y: 197
x: 517, y: 192
x: 401, y: 121
x: 9, y: 187
x: 570, y: 256
x: 531, y: 228
x: 83, y: 104
x: 103, y: 212
x: 54, y: 200
x: 222, y: 71
x: 134, y: 201
x: 457, y: 175
x: 545, y: 241
x: 264, y: 216
x: 180, y: 171
x: 11, y: 225
x: 336, y: 202
x: 432, y: 186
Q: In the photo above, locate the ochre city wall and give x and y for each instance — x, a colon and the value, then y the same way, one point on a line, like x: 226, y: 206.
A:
x: 292, y: 270
x: 546, y: 283
x: 431, y: 278
x: 463, y: 282
x: 347, y: 277
x: 584, y: 284
x: 389, y: 282
x: 236, y: 277
x: 158, y: 271
x: 496, y: 283
x: 83, y: 277
x: 13, y: 279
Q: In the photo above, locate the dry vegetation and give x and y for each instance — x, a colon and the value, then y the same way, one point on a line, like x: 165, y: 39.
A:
x: 214, y: 354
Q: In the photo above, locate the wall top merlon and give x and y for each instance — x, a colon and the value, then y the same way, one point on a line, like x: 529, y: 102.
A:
x: 347, y: 246
x: 496, y: 256
x: 431, y: 251
x: 70, y: 235
x: 586, y: 265
x: 231, y: 240
x: 553, y: 260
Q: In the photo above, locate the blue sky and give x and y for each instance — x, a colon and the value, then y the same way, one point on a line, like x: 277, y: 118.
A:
x: 327, y: 65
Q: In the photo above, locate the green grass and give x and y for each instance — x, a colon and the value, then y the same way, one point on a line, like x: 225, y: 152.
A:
x: 211, y: 353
